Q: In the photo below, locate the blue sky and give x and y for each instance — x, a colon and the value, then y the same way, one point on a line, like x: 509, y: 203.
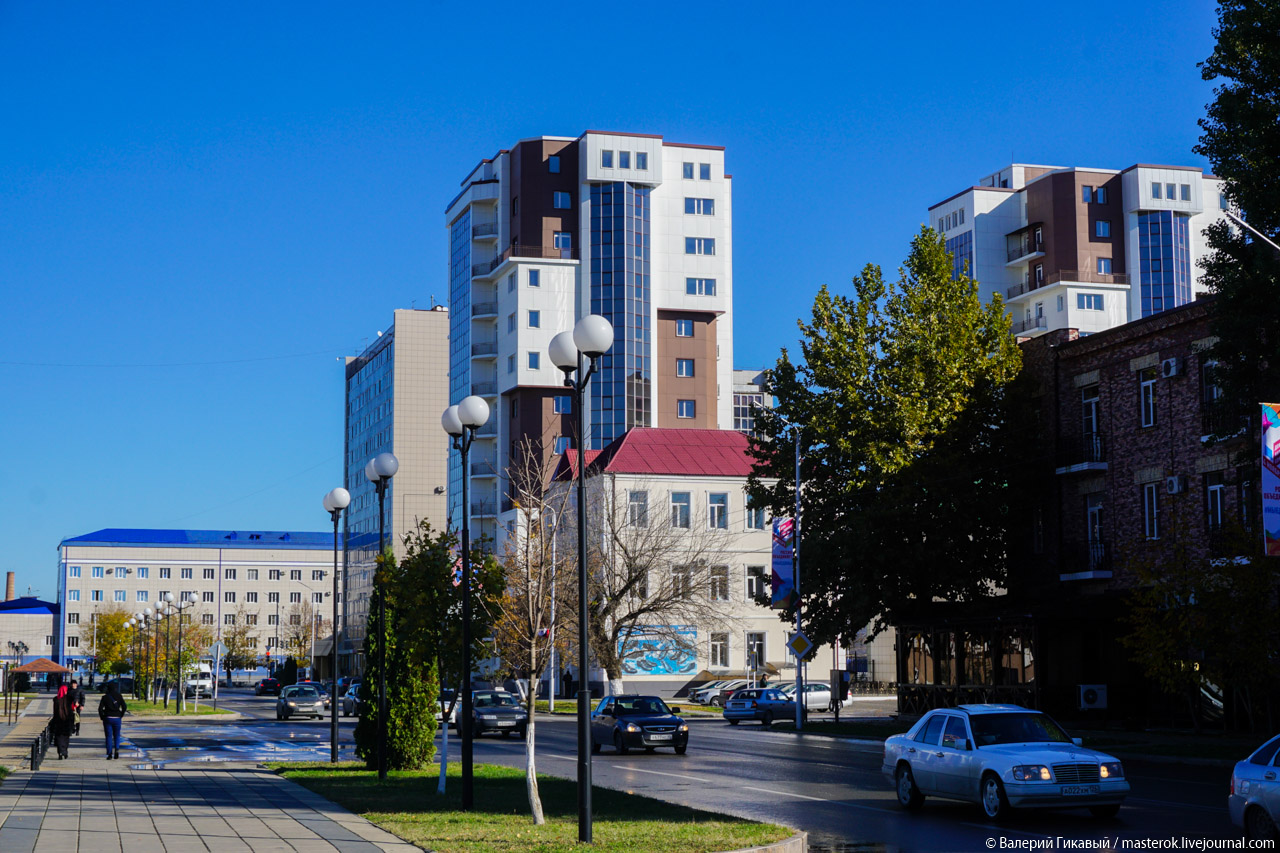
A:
x: 202, y: 206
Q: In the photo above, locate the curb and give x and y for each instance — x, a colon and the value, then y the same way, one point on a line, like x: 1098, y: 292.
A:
x: 797, y: 843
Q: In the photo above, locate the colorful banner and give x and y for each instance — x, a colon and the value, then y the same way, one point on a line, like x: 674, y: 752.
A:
x: 784, y: 576
x: 658, y: 651
x: 1271, y: 477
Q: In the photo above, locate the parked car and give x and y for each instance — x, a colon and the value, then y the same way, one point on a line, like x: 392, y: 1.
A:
x: 1254, y: 802
x: 701, y: 693
x: 495, y: 711
x: 125, y: 683
x: 267, y: 686
x: 637, y: 722
x: 200, y: 682
x: 350, y: 706
x: 319, y: 688
x: 721, y: 694
x: 765, y: 704
x: 817, y: 695
x: 299, y: 700
x: 1001, y: 757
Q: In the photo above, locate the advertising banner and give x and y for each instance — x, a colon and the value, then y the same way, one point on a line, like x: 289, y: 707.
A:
x: 783, y: 580
x: 1271, y: 478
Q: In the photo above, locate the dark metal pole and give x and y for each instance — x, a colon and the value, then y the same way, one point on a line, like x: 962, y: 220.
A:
x: 382, y: 636
x: 168, y: 664
x: 180, y: 695
x: 801, y: 700
x: 584, y: 670
x: 464, y: 445
x: 333, y: 657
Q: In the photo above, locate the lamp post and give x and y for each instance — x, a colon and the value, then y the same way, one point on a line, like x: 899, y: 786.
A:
x: 138, y: 676
x: 577, y: 353
x: 461, y: 422
x: 181, y: 607
x: 795, y: 576
x: 165, y: 611
x: 152, y: 650
x: 551, y: 633
x: 334, y: 503
x: 379, y: 471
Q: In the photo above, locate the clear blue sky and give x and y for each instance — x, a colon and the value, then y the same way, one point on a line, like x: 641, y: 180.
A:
x: 203, y: 205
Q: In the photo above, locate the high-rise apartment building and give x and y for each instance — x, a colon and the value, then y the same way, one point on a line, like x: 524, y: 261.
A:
x: 749, y: 395
x: 628, y: 226
x: 1078, y: 248
x: 396, y: 391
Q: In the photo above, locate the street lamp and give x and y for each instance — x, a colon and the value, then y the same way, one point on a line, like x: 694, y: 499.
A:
x: 181, y: 606
x: 137, y: 653
x: 379, y: 471
x: 591, y: 338
x: 795, y: 577
x: 153, y: 652
x: 164, y: 611
x: 461, y: 422
x: 334, y: 503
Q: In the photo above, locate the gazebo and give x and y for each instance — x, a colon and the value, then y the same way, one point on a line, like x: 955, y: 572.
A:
x: 42, y: 665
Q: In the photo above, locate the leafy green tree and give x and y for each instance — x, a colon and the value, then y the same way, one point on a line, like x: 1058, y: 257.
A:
x: 108, y: 642
x: 290, y: 673
x: 903, y: 396
x: 1241, y: 140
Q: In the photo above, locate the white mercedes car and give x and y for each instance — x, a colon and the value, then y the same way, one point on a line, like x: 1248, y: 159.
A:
x: 1001, y: 757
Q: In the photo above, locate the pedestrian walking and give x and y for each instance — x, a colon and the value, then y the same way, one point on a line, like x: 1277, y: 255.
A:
x: 77, y: 701
x: 110, y: 710
x: 63, y: 721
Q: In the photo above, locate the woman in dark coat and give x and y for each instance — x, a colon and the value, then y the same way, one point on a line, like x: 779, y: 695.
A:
x: 111, y: 709
x: 64, y: 720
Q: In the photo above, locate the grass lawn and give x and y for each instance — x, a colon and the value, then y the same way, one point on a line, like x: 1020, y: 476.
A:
x: 879, y: 729
x: 408, y: 806
x: 139, y: 708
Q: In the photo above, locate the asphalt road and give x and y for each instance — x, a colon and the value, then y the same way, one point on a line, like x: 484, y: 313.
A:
x: 831, y: 788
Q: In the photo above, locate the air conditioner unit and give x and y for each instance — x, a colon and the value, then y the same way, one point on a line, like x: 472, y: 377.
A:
x: 1170, y: 367
x: 1175, y: 485
x: 1093, y: 697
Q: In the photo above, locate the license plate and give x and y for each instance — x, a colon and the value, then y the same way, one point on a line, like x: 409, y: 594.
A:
x: 659, y: 737
x: 1079, y: 790
x: 506, y: 722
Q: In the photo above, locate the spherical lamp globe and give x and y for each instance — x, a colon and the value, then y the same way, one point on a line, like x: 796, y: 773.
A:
x: 563, y: 352
x: 386, y: 465
x: 451, y: 421
x: 593, y: 335
x: 473, y: 411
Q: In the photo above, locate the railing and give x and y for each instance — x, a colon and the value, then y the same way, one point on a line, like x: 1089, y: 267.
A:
x: 1087, y: 557
x: 1088, y: 448
x: 485, y: 229
x: 484, y: 389
x: 916, y: 699
x: 1019, y: 289
x: 40, y: 746
x: 485, y: 348
x: 1024, y: 248
x: 479, y: 308
x: 482, y: 508
x: 1086, y: 277
x: 489, y: 430
x: 483, y: 469
x: 1020, y: 326
x: 518, y: 251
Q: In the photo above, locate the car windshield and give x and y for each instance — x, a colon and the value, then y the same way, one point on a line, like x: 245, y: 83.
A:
x: 639, y: 705
x: 1026, y: 727
x: 496, y: 699
x: 305, y: 693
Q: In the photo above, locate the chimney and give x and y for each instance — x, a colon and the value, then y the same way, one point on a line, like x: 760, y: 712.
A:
x: 8, y: 586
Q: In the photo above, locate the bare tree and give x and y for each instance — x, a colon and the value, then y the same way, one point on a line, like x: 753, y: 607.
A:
x: 302, y: 622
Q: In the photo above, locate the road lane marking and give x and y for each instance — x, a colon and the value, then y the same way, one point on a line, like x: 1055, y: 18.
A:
x: 804, y: 797
x: 658, y: 772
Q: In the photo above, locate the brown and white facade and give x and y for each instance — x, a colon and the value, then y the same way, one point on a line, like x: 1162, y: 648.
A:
x: 1081, y: 248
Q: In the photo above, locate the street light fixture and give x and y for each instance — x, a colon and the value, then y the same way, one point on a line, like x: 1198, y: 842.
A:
x: 181, y: 606
x: 379, y: 471
x: 801, y: 702
x: 164, y: 611
x: 461, y: 422
x: 334, y: 503
x: 591, y: 338
x: 137, y: 654
x: 153, y: 651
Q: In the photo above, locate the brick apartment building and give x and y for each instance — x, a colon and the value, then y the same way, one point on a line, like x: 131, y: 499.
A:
x: 1124, y: 466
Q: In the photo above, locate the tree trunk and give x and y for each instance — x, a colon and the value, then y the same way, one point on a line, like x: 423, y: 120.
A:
x: 530, y: 765
x: 615, y: 684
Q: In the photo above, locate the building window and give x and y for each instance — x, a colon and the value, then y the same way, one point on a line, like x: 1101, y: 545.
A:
x: 273, y: 598
x: 719, y: 583
x: 755, y: 649
x: 719, y: 651
x: 206, y: 619
x: 562, y: 240
x: 189, y: 596
x: 624, y: 159
x: 560, y: 201
x: 251, y: 597
x: 229, y: 597
x: 1214, y: 491
x: 1089, y: 412
x: 1086, y: 194
x: 317, y: 598
x: 73, y: 642
x: 756, y: 582
x: 73, y: 595
x: 98, y: 572
x: 718, y: 511
x: 535, y: 360
x: 686, y: 408
x: 73, y: 571
x: 561, y: 444
x: 251, y: 619
x: 535, y: 278
x: 1170, y: 191
x: 206, y: 597
x: 1151, y: 510
x: 295, y: 598
x: 638, y: 508
x: 684, y: 367
x: 1102, y: 228
x: 704, y: 171
x: 606, y: 159
x: 535, y: 319
x: 680, y: 503
x: 682, y: 581
x: 684, y: 328
x: 229, y: 619
x: 1089, y: 301
x: 1104, y: 266
x: 1186, y: 192
x: 1147, y: 396
x: 1100, y: 195
x: 229, y: 574
x: 73, y: 618
x: 1155, y: 189
x: 700, y: 206
x: 511, y: 364
x: 755, y: 518
x: 642, y: 160
x: 142, y: 595
x: 120, y: 595
x: 317, y: 574
x: 553, y: 164
x: 143, y: 573
x: 515, y: 206
x: 562, y: 404
x: 95, y: 595
x: 295, y: 574
x: 187, y: 573
x: 700, y: 286
x: 699, y: 245
x: 511, y: 322
x: 687, y: 171
x: 1244, y: 498
x: 1039, y: 275
x: 209, y: 575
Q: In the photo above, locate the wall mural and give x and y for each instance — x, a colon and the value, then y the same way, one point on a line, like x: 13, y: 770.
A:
x: 670, y: 650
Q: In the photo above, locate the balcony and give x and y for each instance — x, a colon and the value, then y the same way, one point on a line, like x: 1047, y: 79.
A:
x: 485, y: 389
x: 483, y: 469
x: 1089, y: 561
x: 484, y: 349
x: 1018, y: 289
x: 519, y: 251
x: 484, y: 309
x: 1220, y: 420
x: 483, y: 509
x: 484, y: 231
x: 489, y: 430
x: 1086, y: 277
x: 1022, y: 327
x: 1080, y: 453
x: 1024, y: 249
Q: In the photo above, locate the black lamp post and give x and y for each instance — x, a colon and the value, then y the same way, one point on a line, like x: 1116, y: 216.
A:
x: 180, y: 607
x: 335, y: 502
x: 135, y: 623
x: 461, y: 422
x: 163, y: 610
x: 380, y: 470
x: 592, y: 336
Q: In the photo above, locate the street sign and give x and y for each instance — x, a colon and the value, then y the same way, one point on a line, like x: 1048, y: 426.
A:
x: 800, y: 645
x: 217, y: 650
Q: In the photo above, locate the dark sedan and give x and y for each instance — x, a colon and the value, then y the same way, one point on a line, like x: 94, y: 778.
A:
x: 495, y: 711
x: 637, y: 722
x: 267, y: 686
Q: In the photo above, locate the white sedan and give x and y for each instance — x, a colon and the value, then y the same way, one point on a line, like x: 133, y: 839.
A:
x: 1001, y: 757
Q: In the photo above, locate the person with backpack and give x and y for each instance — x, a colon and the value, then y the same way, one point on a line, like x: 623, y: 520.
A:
x: 110, y: 710
x: 64, y: 716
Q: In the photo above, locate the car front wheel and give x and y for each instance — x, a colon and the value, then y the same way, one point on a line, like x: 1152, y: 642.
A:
x: 682, y: 749
x: 1258, y: 825
x: 618, y: 743
x: 995, y: 806
x: 909, y: 796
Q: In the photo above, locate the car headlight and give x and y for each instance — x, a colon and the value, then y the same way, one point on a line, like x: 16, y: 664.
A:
x: 684, y: 727
x: 1112, y: 770
x: 1031, y: 773
x: 632, y: 727
x: 292, y: 704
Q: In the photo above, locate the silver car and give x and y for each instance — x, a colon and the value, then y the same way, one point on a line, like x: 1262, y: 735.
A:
x: 298, y: 700
x: 1254, y: 803
x: 1001, y: 757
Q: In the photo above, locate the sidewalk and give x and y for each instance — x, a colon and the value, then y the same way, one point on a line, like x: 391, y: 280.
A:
x: 92, y: 805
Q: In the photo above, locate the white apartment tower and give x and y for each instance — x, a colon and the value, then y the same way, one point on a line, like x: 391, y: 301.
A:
x: 628, y: 226
x: 1082, y: 248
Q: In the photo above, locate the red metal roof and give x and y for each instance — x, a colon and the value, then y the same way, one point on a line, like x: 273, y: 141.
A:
x: 691, y: 452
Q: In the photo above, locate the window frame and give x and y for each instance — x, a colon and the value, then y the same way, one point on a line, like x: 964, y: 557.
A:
x: 637, y: 508
x: 681, y: 324
x: 717, y: 510
x: 1147, y: 411
x: 1151, y: 510
x: 704, y: 247
x: 686, y: 409
x: 553, y: 164
x: 681, y: 364
x: 1102, y: 228
x: 718, y: 583
x: 681, y: 504
x: 559, y: 196
x: 699, y: 286
x: 606, y: 158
